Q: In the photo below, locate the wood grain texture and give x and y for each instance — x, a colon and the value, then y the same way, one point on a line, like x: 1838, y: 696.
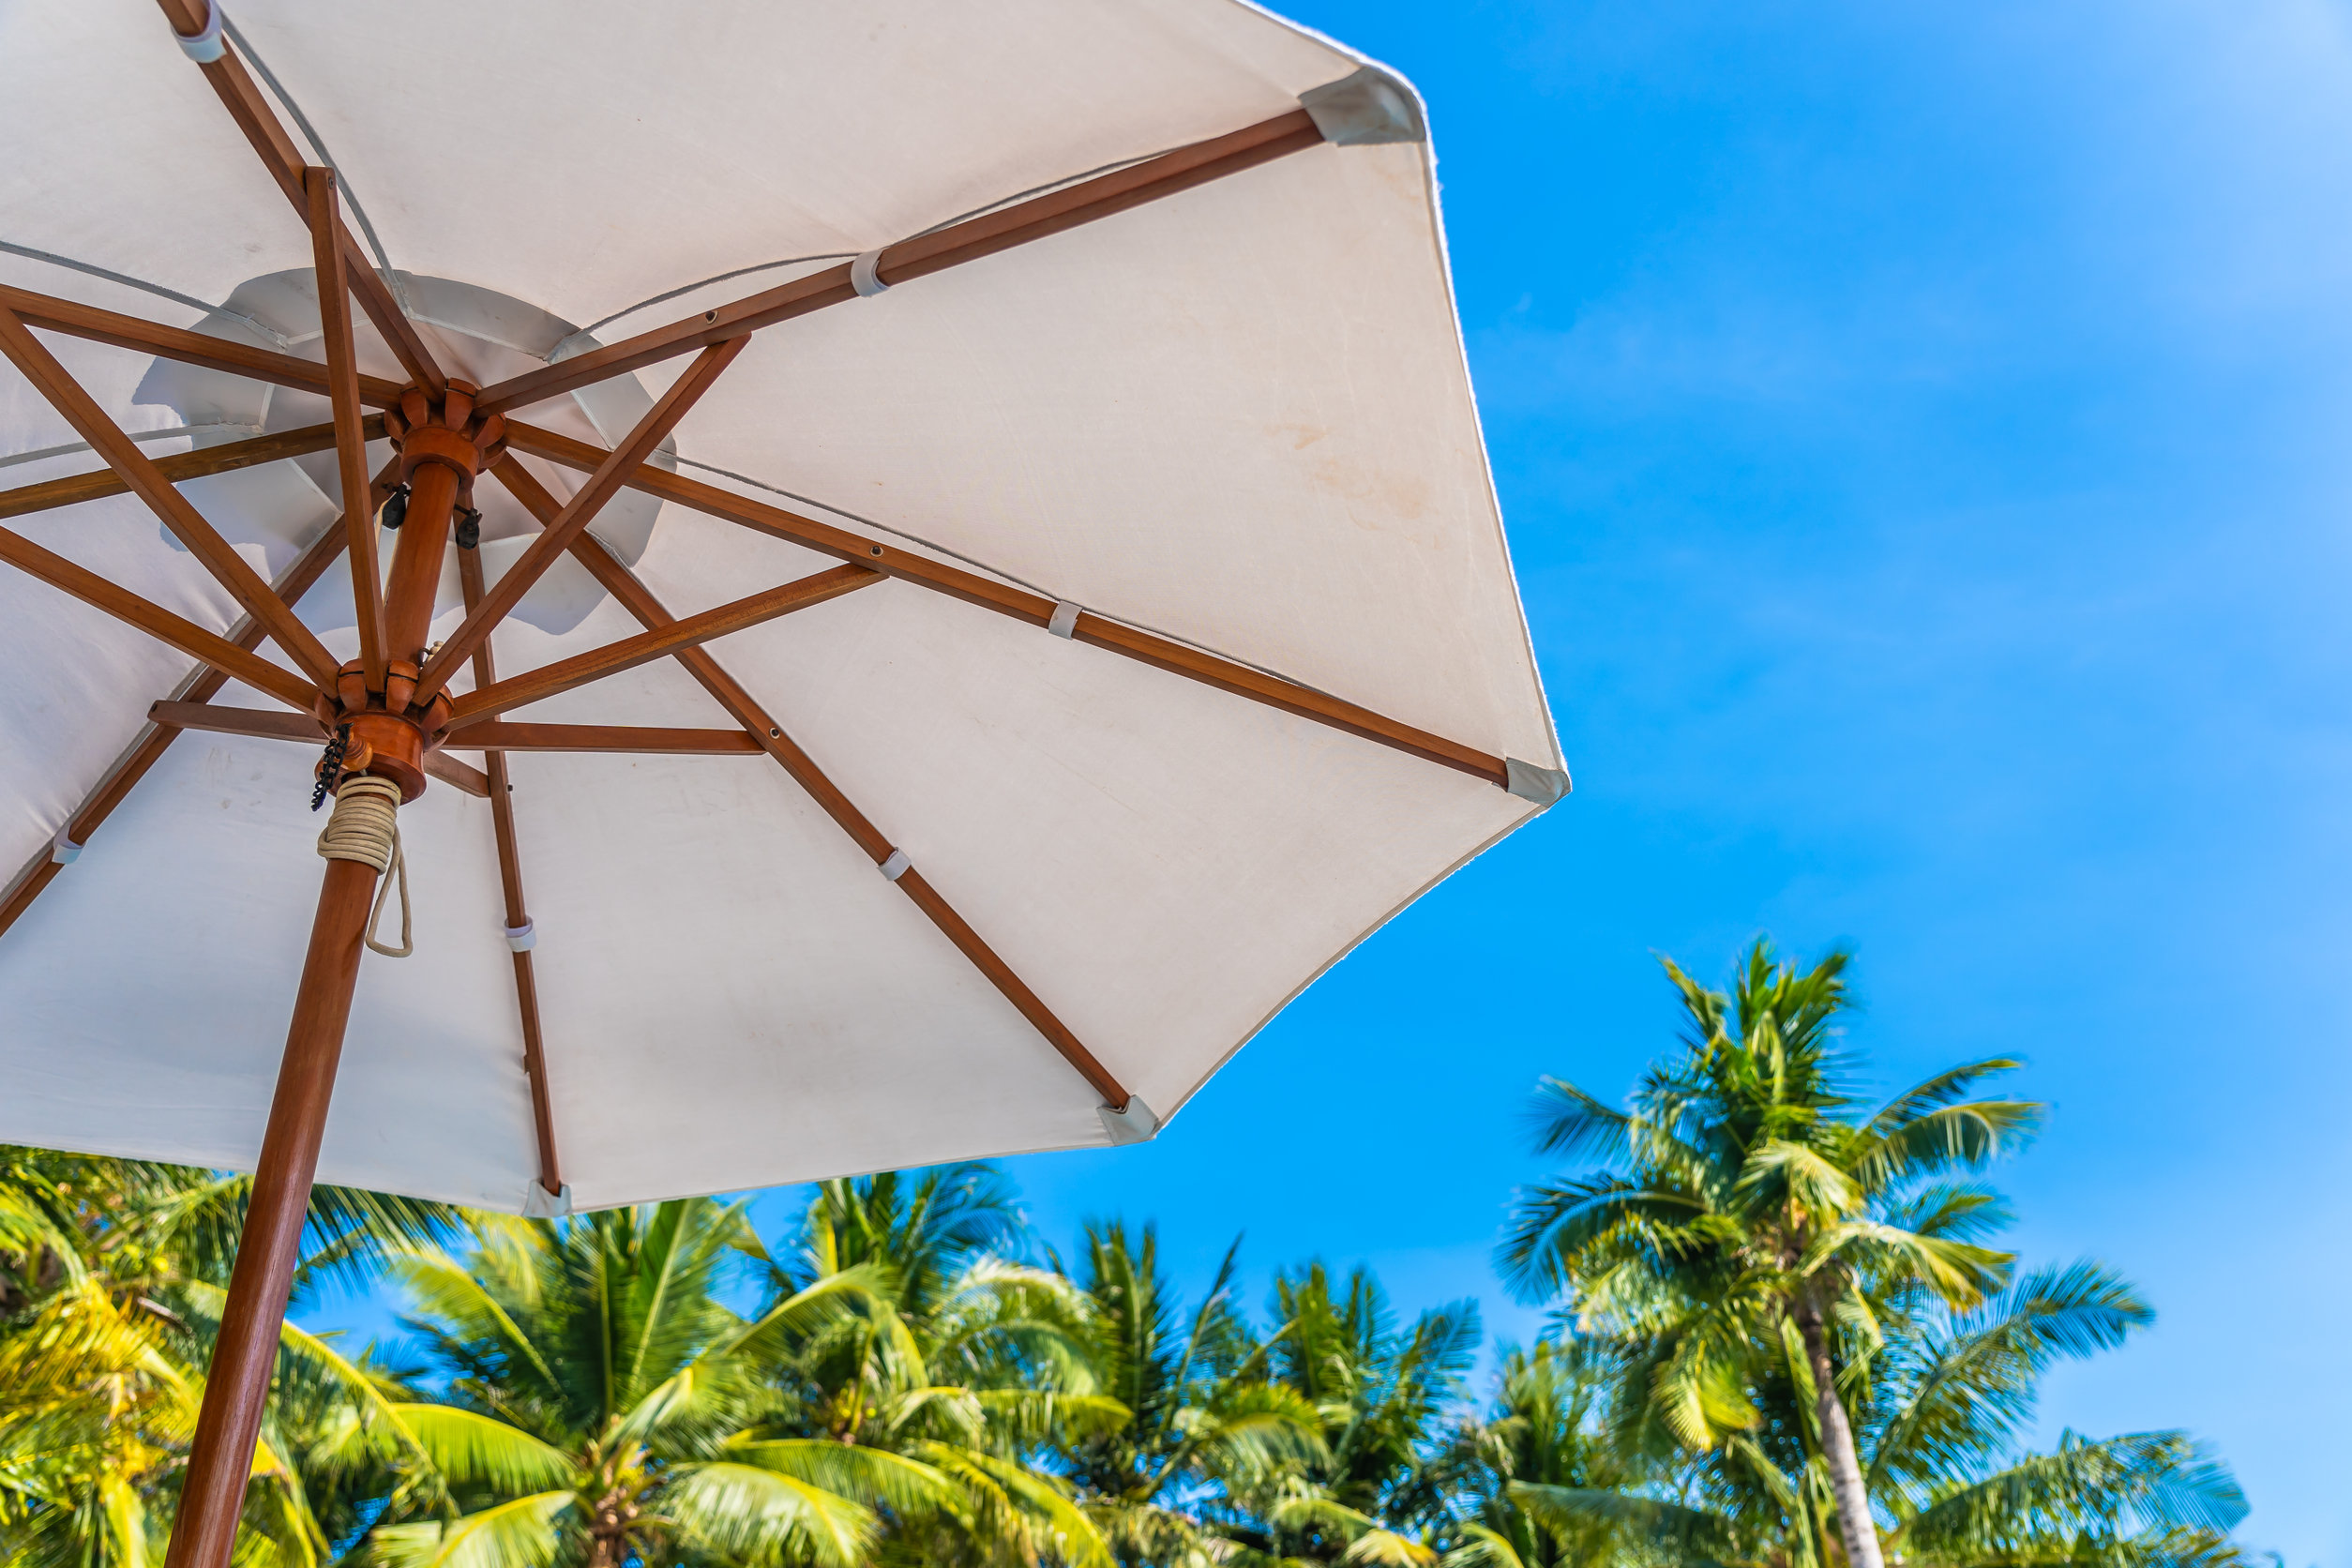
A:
x: 188, y: 348
x: 1016, y: 224
x: 99, y: 483
x: 908, y: 567
x: 266, y: 723
x: 351, y: 440
x: 502, y: 793
x: 464, y: 777
x: 236, y: 1385
x: 495, y: 735
x: 138, y: 471
x: 154, y: 740
x: 605, y: 482
x: 770, y: 736
x: 155, y: 621
x: 242, y: 97
x: 595, y: 665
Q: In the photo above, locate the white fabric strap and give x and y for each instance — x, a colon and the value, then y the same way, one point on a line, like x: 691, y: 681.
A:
x: 864, y: 277
x: 64, y: 851
x: 206, y: 46
x: 1136, y: 1123
x: 522, y: 938
x: 540, y: 1203
x: 1547, y: 787
x: 1064, y: 622
x: 897, y: 866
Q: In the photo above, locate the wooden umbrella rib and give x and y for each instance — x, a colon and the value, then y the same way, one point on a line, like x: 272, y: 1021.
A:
x: 608, y: 479
x: 146, y: 481
x: 250, y: 453
x: 177, y: 343
x: 267, y: 723
x: 200, y: 685
x: 243, y: 100
x: 1159, y: 652
x: 501, y: 799
x: 625, y: 739
x: 351, y: 440
x: 628, y: 654
x: 1017, y: 224
x: 1091, y: 200
x: 462, y: 776
x: 275, y: 724
x: 155, y: 621
x: 771, y: 738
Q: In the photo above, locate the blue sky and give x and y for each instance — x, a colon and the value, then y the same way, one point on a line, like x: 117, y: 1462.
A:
x: 1921, y: 429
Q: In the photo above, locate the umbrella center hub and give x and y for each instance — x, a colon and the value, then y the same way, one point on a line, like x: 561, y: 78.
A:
x: 443, y: 444
x: 446, y: 431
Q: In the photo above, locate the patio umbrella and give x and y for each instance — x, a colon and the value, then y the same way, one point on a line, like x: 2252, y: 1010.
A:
x: 865, y: 583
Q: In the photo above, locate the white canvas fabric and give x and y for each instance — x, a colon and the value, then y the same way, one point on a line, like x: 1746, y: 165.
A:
x: 1238, y: 417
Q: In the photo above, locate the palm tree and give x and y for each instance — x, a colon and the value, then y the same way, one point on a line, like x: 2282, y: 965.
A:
x: 1536, y: 1478
x: 1379, y: 1394
x: 961, y: 1364
x: 1803, y: 1311
x: 596, y: 1386
x: 1748, y: 1208
x: 1204, y: 1426
x: 605, y: 1407
x: 112, y: 1276
x: 1950, y: 1402
x: 1950, y: 1397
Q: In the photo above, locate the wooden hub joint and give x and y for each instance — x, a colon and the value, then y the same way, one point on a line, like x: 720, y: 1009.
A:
x: 386, y: 740
x: 443, y: 444
x: 445, y: 430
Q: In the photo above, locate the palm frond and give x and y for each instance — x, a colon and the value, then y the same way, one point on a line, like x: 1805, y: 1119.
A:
x: 760, y: 1517
x: 518, y: 1533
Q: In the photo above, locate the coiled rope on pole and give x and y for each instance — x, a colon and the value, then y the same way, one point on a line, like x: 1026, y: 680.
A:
x: 366, y: 827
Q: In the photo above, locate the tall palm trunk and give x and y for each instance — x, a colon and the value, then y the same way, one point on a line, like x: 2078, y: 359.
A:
x: 1854, y: 1523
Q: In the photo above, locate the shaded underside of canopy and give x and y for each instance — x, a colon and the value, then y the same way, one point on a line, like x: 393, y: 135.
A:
x: 1238, y: 417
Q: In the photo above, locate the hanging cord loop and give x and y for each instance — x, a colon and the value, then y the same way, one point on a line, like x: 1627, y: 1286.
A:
x: 366, y: 827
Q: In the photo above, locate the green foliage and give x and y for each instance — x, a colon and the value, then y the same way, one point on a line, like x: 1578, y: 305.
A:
x: 1808, y: 1351
x: 110, y: 1277
x: 1779, y: 1315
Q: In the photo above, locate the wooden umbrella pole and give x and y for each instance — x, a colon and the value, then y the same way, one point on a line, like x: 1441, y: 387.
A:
x: 237, y: 1386
x: 437, y: 458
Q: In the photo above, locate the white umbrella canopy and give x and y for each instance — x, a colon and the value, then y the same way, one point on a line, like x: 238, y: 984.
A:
x: 983, y: 583
x: 1218, y: 436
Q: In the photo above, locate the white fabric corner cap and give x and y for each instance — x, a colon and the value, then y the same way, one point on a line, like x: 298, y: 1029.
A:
x: 523, y: 938
x: 540, y: 1203
x: 1137, y: 1124
x: 1064, y: 622
x: 897, y: 866
x: 1544, y: 786
x: 206, y: 46
x: 863, y: 276
x: 1366, y: 109
x: 64, y: 851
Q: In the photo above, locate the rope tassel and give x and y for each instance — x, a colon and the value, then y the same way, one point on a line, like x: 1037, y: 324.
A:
x: 366, y: 827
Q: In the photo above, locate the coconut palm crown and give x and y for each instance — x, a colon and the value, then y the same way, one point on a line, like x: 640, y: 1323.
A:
x: 1747, y: 1205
